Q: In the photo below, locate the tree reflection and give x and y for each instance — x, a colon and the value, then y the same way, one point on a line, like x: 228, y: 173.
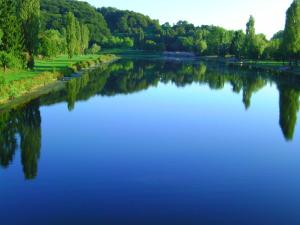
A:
x: 8, y: 142
x: 25, y: 122
x: 289, y: 107
x: 22, y: 126
x: 30, y: 134
x: 250, y: 86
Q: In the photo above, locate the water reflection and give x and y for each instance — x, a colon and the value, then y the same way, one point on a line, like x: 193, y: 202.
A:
x: 22, y: 126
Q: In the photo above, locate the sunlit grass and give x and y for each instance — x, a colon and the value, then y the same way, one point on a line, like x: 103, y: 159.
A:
x: 51, y: 65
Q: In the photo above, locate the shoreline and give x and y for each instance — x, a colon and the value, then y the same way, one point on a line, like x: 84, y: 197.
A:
x: 45, y: 82
x: 275, y: 67
x: 269, y: 66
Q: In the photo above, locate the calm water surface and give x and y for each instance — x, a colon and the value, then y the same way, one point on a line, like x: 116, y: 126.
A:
x: 152, y: 142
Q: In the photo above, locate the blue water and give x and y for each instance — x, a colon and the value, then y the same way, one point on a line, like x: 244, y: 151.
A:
x: 149, y: 148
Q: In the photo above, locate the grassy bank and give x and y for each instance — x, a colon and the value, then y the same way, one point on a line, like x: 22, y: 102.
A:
x: 15, y: 84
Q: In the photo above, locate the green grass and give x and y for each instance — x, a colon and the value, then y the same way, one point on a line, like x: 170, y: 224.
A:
x: 20, y: 83
x: 51, y: 65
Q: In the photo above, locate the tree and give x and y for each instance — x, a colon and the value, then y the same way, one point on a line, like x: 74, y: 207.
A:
x: 85, y: 37
x: 273, y: 49
x: 250, y: 38
x: 29, y: 11
x: 291, y: 40
x: 259, y: 45
x: 11, y: 35
x: 7, y: 60
x: 201, y: 47
x: 237, y: 44
x: 71, y: 34
x: 128, y: 42
x: 78, y: 38
x: 51, y: 43
x: 11, y: 41
x: 1, y: 35
x: 95, y: 49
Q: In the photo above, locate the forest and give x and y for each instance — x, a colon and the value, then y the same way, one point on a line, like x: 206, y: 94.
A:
x: 48, y: 28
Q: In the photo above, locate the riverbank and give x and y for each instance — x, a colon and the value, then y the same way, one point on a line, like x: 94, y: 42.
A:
x: 19, y: 84
x: 277, y: 67
x: 270, y: 66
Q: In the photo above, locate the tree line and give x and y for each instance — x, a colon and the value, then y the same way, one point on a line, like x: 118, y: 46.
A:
x: 47, y: 28
x: 148, y: 34
x: 125, y: 29
x: 22, y: 37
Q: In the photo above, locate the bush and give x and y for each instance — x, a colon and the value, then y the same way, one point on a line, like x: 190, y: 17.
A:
x: 8, y: 60
x: 94, y: 49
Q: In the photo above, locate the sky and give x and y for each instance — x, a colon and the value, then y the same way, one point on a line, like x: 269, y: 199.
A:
x: 230, y: 14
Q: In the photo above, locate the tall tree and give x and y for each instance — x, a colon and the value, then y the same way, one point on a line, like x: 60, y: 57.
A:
x: 29, y: 11
x: 11, y: 37
x: 250, y: 38
x: 291, y: 40
x: 78, y: 38
x: 85, y: 37
x: 237, y: 44
x: 71, y: 34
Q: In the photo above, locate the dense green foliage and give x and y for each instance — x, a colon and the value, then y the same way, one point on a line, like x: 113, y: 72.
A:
x: 52, y: 43
x: 148, y: 34
x: 11, y: 38
x: 54, y: 12
x: 22, y: 39
x: 291, y: 41
x: 48, y: 28
x: 29, y: 13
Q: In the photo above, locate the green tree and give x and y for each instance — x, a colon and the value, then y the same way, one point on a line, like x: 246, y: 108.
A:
x: 201, y: 47
x: 71, y: 34
x: 291, y: 40
x: 29, y: 12
x: 250, y: 38
x: 128, y: 42
x: 78, y: 48
x: 85, y: 38
x: 11, y: 41
x: 11, y: 35
x: 237, y: 44
x: 8, y: 60
x: 51, y: 43
x: 95, y: 49
x: 273, y: 49
x: 259, y: 45
x: 1, y: 35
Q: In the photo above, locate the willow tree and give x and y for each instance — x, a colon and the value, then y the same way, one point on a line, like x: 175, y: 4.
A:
x: 29, y: 11
x: 291, y: 39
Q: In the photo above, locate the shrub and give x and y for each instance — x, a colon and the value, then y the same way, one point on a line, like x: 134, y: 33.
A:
x: 8, y: 60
